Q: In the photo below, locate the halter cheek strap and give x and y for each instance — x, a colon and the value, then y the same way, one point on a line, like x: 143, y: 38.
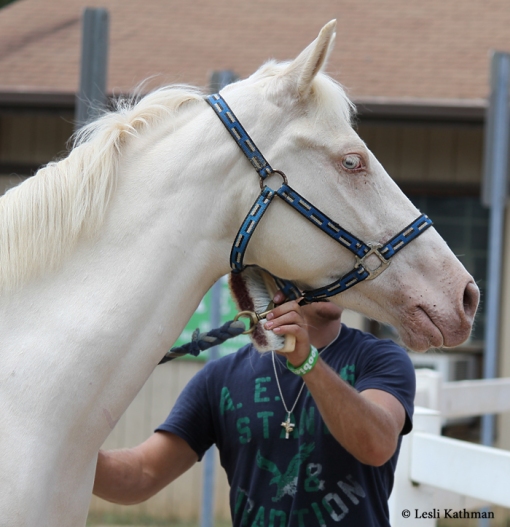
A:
x: 240, y: 135
x: 360, y: 249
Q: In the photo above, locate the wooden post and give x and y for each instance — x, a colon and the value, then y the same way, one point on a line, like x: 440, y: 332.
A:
x: 94, y: 65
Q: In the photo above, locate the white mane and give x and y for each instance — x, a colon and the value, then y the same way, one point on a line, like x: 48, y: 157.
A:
x: 42, y: 219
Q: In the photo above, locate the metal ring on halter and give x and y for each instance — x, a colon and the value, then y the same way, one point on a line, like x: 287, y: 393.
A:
x: 374, y: 250
x: 279, y: 172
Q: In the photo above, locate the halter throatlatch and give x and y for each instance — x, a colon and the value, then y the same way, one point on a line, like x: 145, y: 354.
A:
x: 360, y: 249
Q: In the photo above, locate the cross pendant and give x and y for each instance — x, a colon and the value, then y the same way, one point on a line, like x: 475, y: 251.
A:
x: 289, y: 427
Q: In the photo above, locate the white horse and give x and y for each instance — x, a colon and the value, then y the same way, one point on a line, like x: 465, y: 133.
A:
x: 105, y: 255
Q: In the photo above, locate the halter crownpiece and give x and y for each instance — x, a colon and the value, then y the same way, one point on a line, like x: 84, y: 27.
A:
x: 360, y: 249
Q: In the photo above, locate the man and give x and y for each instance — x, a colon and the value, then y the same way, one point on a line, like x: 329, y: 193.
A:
x: 302, y: 447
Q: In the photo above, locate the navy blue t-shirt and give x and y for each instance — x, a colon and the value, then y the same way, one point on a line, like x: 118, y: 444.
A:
x: 309, y: 479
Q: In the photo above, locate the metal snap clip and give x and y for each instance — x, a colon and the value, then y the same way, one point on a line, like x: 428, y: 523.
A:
x: 253, y: 317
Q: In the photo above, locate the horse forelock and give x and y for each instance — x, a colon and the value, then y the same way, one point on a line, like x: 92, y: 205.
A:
x: 42, y: 219
x: 330, y: 100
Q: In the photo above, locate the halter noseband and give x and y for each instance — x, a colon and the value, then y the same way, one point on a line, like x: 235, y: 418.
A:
x: 360, y: 249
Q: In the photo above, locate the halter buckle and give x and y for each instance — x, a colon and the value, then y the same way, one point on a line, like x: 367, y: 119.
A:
x: 373, y: 273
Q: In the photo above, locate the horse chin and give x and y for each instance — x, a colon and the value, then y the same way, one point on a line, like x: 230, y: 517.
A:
x: 438, y: 319
x: 425, y: 328
x: 420, y: 333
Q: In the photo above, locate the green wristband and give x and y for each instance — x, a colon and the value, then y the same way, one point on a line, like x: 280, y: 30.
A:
x: 307, y: 366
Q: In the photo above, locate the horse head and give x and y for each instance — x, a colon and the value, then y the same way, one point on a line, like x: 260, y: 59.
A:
x: 301, y: 120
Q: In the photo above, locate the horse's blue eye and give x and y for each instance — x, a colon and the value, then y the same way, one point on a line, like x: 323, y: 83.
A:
x: 352, y: 162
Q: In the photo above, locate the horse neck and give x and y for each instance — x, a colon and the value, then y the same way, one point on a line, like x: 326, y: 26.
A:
x: 179, y: 198
x: 121, y: 300
x: 171, y: 219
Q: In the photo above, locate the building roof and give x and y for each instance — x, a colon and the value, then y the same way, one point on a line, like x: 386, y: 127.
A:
x: 398, y: 51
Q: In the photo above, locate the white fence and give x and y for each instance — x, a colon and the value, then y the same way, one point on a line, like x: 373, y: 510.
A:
x: 437, y: 473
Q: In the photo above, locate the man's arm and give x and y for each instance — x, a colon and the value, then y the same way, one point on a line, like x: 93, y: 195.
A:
x: 366, y: 424
x: 133, y: 475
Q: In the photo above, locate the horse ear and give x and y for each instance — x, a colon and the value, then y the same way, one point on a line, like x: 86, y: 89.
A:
x: 312, y: 59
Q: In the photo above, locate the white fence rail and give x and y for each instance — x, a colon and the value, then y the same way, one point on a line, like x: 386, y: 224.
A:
x: 437, y: 474
x: 458, y: 466
x: 462, y: 398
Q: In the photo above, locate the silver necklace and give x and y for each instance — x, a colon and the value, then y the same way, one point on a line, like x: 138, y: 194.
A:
x: 287, y: 425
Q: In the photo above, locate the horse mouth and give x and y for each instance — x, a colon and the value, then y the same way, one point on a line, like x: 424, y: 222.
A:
x: 421, y: 332
x: 439, y: 324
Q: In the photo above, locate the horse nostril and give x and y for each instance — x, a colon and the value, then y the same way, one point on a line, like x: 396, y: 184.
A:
x: 470, y: 300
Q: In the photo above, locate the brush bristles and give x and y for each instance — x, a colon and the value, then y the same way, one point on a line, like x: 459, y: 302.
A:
x: 250, y: 294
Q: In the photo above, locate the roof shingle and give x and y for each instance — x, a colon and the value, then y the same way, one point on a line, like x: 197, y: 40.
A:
x: 438, y: 49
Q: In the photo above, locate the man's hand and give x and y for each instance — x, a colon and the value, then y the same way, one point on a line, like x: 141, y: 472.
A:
x: 288, y: 319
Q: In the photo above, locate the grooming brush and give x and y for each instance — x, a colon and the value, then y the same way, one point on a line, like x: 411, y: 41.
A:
x: 253, y: 290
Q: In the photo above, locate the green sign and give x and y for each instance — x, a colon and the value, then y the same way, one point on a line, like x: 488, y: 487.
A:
x: 202, y: 319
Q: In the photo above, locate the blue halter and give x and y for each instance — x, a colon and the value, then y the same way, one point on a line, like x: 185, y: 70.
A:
x: 360, y: 249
